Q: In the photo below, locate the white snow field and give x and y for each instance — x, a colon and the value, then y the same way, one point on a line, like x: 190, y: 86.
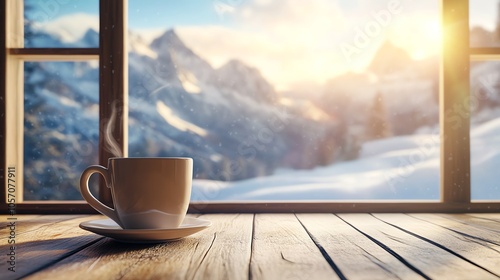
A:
x: 405, y: 167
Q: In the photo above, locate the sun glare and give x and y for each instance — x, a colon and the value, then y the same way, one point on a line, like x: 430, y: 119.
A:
x: 297, y: 46
x: 433, y: 29
x: 429, y: 41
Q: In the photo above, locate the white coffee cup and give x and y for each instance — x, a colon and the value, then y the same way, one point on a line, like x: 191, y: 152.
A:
x: 147, y: 193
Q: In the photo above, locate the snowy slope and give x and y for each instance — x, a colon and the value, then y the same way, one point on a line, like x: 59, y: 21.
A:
x: 394, y: 168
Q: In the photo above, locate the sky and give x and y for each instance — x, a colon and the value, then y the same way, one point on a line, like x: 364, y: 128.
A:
x: 291, y: 43
x: 484, y: 13
x: 296, y: 45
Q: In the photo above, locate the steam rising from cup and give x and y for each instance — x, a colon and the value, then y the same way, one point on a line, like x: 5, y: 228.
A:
x: 110, y: 143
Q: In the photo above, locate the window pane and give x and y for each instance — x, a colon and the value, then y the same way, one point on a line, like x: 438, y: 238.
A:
x: 485, y: 129
x: 61, y: 24
x: 484, y: 23
x: 60, y: 127
x: 278, y: 100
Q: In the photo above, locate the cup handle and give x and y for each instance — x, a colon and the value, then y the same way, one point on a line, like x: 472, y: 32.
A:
x: 90, y: 198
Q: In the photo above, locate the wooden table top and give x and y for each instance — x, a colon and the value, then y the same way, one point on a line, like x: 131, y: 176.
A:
x: 262, y: 246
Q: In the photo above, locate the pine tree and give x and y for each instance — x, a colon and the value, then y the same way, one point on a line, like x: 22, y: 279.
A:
x: 377, y: 125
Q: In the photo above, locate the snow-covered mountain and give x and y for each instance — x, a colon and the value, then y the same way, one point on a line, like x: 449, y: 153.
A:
x: 227, y: 119
x: 247, y: 81
x: 172, y: 51
x: 237, y: 121
x: 89, y: 39
x: 236, y: 126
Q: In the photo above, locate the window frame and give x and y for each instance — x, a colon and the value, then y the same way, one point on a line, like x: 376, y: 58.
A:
x: 454, y: 90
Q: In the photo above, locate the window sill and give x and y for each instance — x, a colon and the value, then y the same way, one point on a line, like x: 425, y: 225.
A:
x: 81, y: 207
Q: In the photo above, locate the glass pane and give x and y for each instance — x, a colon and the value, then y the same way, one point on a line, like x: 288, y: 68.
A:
x: 278, y: 100
x: 485, y: 130
x: 484, y: 23
x: 61, y: 24
x: 61, y: 127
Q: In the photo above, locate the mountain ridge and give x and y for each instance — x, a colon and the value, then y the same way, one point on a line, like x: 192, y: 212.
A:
x: 178, y: 106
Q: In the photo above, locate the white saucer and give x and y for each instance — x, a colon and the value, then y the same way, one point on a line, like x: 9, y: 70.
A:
x: 110, y: 228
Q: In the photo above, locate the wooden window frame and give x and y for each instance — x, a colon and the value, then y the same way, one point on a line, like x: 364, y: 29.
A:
x: 454, y: 91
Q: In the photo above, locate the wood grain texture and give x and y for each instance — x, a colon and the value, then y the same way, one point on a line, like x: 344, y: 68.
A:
x: 219, y: 252
x: 282, y: 249
x: 113, y: 83
x: 481, y: 227
x: 477, y: 246
x: 4, y: 219
x: 55, y: 54
x: 231, y: 248
x: 356, y: 256
x: 455, y: 94
x: 3, y: 95
x: 41, y: 241
x: 81, y: 207
x: 266, y: 246
x: 423, y: 257
x: 485, y: 222
x: 487, y: 216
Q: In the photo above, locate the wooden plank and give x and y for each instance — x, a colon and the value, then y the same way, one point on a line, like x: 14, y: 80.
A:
x: 24, y: 218
x: 477, y: 246
x: 41, y: 242
x: 473, y: 224
x: 232, y: 251
x: 14, y: 100
x: 487, y: 223
x: 219, y: 252
x: 423, y: 257
x: 55, y: 54
x: 55, y: 57
x: 487, y: 228
x: 356, y: 256
x: 485, y: 51
x: 282, y: 249
x: 487, y: 216
x: 484, y: 57
x: 81, y: 207
x: 27, y: 223
x: 54, y: 51
x: 3, y: 95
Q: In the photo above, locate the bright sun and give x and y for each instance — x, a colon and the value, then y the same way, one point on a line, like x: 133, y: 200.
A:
x: 429, y: 42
